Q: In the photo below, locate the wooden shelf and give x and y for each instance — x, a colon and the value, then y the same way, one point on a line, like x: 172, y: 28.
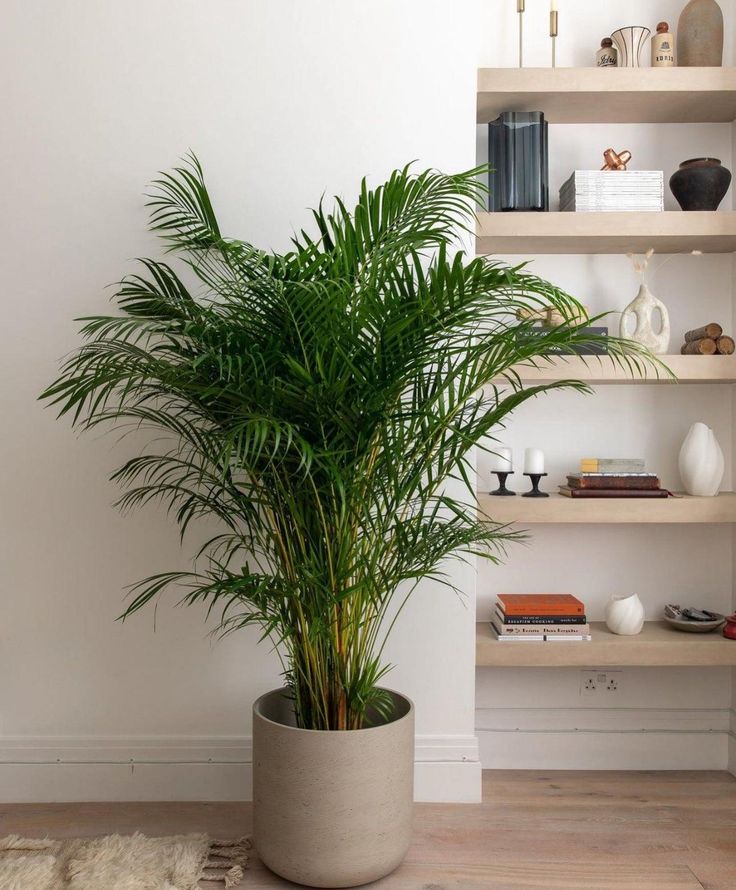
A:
x: 658, y: 645
x: 604, y: 95
x: 601, y: 370
x: 559, y: 509
x: 669, y: 231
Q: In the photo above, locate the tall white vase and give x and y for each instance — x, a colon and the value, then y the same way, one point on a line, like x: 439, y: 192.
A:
x: 625, y: 615
x: 701, y: 462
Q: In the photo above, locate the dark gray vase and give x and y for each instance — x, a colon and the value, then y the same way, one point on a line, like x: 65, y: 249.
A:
x: 700, y: 183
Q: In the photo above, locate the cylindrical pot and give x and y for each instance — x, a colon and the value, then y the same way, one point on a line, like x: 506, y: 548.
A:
x: 629, y: 42
x: 700, y: 35
x: 729, y: 628
x: 701, y: 462
x: 625, y: 615
x: 331, y: 809
x: 700, y: 183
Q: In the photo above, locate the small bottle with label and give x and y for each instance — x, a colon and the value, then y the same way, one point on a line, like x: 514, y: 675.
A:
x: 663, y: 47
x: 607, y: 55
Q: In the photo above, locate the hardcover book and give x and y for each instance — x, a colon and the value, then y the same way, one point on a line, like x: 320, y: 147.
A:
x: 540, y: 604
x: 534, y: 620
x: 567, y: 492
x: 613, y: 480
x: 612, y: 465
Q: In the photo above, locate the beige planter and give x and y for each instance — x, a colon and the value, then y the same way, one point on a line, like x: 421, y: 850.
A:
x: 331, y: 809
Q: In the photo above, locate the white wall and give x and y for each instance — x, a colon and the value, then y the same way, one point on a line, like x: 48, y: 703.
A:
x: 661, y: 717
x: 282, y: 101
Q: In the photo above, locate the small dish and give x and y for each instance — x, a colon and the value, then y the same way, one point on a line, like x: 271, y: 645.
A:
x: 696, y: 627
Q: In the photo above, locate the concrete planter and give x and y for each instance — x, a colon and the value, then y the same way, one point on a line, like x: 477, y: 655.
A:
x: 331, y: 809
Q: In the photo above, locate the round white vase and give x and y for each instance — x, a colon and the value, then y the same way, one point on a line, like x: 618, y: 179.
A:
x: 625, y: 614
x: 701, y: 462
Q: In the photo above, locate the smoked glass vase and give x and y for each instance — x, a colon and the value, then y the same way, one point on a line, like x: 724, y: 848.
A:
x: 519, y: 162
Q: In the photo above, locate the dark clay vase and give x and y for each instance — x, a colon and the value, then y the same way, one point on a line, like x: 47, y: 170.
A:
x: 700, y: 184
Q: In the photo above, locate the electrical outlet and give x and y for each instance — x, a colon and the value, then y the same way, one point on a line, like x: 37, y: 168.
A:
x: 600, y: 683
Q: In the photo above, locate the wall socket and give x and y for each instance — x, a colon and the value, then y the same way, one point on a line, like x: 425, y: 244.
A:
x: 601, y: 683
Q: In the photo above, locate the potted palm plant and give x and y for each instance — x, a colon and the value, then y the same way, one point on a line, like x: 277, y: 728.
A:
x: 315, y: 404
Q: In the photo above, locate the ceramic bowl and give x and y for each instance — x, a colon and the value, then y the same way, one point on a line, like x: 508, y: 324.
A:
x: 696, y: 627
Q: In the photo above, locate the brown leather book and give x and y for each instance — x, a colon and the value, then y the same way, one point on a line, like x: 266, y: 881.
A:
x: 610, y: 480
x: 613, y: 492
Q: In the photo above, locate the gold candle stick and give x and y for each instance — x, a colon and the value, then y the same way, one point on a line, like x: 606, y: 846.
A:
x: 520, y: 6
x: 553, y: 27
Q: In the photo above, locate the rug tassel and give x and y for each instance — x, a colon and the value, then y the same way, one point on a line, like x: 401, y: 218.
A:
x: 231, y: 878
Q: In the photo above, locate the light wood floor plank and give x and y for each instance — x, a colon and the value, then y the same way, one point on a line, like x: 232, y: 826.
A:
x: 534, y: 830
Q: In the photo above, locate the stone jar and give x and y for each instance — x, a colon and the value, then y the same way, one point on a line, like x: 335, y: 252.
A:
x: 625, y: 615
x: 701, y: 462
x: 700, y: 183
x: 331, y: 809
x: 700, y: 35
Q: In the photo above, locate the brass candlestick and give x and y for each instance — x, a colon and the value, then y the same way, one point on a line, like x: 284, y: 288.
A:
x: 520, y: 6
x: 553, y: 25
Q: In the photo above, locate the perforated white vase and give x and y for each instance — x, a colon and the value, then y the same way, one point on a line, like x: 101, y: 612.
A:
x: 701, y: 462
x: 625, y: 615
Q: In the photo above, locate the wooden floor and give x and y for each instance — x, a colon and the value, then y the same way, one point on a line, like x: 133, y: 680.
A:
x: 533, y: 831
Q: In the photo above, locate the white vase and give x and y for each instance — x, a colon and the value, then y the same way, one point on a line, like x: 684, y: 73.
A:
x: 629, y: 42
x: 643, y: 308
x: 625, y: 614
x: 701, y: 462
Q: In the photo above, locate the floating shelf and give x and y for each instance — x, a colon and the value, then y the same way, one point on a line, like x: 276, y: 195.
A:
x: 559, y: 509
x: 604, y: 95
x: 601, y: 370
x: 669, y: 231
x: 656, y: 646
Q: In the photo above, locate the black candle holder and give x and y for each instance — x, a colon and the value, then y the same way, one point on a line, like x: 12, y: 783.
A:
x: 535, y: 492
x: 502, y: 491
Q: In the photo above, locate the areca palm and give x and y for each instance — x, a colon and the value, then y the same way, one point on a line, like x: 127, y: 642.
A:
x: 316, y: 404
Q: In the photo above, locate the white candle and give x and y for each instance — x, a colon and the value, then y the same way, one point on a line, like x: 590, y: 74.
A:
x: 553, y: 6
x: 502, y: 461
x: 533, y: 460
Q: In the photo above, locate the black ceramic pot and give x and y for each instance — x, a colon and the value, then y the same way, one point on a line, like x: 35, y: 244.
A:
x: 700, y: 184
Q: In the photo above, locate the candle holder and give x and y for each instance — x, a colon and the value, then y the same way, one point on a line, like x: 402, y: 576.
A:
x: 520, y: 7
x: 553, y: 29
x: 502, y: 491
x: 535, y: 492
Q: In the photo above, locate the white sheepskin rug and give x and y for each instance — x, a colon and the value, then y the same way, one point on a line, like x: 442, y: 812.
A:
x: 122, y: 863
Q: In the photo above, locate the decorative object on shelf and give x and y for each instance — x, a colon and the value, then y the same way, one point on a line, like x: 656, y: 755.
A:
x: 598, y: 344
x: 615, y: 160
x: 625, y: 615
x: 663, y: 47
x: 607, y: 55
x: 502, y: 491
x: 708, y: 340
x: 701, y: 462
x: 729, y: 629
x: 700, y: 183
x: 519, y: 162
x: 534, y: 492
x: 613, y: 485
x: 643, y: 308
x: 553, y: 29
x: 502, y: 460
x: 598, y: 191
x: 539, y: 617
x: 700, y: 35
x: 629, y: 43
x: 520, y: 7
x: 691, y: 620
x: 550, y: 317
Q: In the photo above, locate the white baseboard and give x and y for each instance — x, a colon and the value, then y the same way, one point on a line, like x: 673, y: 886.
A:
x: 447, y: 769
x: 625, y: 738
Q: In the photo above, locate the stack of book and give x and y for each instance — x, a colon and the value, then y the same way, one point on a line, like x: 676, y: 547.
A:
x: 608, y: 190
x: 613, y: 478
x: 540, y: 617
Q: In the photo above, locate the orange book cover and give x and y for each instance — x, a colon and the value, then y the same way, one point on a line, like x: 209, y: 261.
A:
x: 540, y: 604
